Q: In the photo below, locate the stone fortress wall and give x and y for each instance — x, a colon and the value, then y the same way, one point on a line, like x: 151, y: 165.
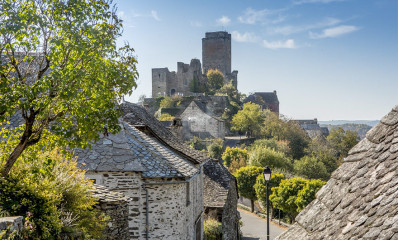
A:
x: 216, y: 54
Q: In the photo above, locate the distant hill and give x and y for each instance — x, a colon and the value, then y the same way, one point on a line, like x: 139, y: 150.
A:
x: 371, y: 123
x: 361, y: 129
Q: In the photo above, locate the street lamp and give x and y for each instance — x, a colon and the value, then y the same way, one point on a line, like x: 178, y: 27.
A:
x: 267, y: 177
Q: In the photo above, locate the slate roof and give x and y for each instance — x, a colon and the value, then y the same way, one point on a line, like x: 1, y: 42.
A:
x: 360, y: 201
x: 216, y: 184
x: 133, y: 150
x: 139, y: 117
x: 104, y: 195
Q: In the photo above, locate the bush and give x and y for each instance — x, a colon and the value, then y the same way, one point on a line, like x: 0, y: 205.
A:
x: 49, y: 189
x: 307, y: 194
x: 246, y: 178
x: 215, y: 148
x: 261, y: 188
x: 310, y: 167
x: 166, y: 117
x: 212, y: 229
x: 261, y: 156
x: 234, y: 158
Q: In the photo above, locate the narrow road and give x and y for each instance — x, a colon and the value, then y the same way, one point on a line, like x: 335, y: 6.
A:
x: 255, y: 228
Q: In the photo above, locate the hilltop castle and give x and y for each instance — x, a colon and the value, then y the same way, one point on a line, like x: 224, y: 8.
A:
x: 216, y: 54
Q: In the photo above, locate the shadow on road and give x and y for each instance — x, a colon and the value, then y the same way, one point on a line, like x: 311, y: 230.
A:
x: 250, y: 238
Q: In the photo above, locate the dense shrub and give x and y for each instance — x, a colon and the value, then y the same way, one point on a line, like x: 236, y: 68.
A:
x: 261, y: 187
x: 49, y: 189
x: 246, y: 178
x: 215, y: 148
x: 311, y: 167
x: 261, y: 156
x: 234, y: 158
x: 212, y: 229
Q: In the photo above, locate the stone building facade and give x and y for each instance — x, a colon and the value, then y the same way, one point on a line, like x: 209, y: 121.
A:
x: 197, y: 121
x: 165, y: 188
x: 312, y: 128
x: 267, y: 100
x: 216, y: 54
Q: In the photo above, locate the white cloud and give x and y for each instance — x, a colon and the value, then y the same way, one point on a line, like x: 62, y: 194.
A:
x: 252, y: 16
x: 280, y: 44
x: 155, y: 16
x: 223, y: 21
x: 289, y: 29
x: 196, y: 24
x: 334, y: 32
x: 316, y: 1
x: 245, y: 37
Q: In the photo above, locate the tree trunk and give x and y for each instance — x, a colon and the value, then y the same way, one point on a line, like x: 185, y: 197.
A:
x: 252, y: 205
x: 13, y: 158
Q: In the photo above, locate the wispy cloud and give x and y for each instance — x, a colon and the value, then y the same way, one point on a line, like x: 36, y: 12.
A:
x: 252, y: 16
x: 299, y: 2
x: 280, y: 44
x: 155, y: 16
x: 244, y: 37
x: 334, y: 32
x: 223, y: 21
x: 290, y: 29
x: 196, y: 24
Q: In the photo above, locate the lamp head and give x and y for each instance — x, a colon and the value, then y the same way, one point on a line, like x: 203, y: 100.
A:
x: 267, y: 173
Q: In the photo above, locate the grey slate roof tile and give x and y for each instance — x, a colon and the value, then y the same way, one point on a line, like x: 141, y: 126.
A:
x: 360, y: 201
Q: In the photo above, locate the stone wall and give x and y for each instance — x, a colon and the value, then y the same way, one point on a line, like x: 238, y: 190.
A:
x: 169, y: 216
x: 197, y: 123
x: 230, y: 221
x: 115, y: 206
x: 10, y: 225
x: 216, y: 52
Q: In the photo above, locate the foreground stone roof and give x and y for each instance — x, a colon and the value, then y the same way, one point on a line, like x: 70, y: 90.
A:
x: 360, y: 201
x: 133, y: 150
x: 139, y: 117
x: 216, y: 184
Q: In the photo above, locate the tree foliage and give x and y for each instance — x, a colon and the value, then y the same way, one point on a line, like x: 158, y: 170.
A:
x: 284, y: 196
x: 215, y: 79
x: 234, y: 158
x: 50, y: 190
x: 311, y: 167
x: 261, y: 156
x: 166, y: 117
x: 60, y: 67
x: 261, y: 187
x: 342, y: 141
x: 307, y: 194
x: 246, y: 178
x: 234, y: 101
x: 249, y: 119
x: 215, y: 148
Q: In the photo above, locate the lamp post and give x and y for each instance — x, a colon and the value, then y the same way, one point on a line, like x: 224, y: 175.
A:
x: 267, y: 177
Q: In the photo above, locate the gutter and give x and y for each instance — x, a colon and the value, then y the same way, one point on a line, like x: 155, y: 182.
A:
x: 147, y: 198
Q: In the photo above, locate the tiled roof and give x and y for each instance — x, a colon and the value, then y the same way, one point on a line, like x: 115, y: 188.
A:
x: 360, y: 201
x: 104, y: 195
x: 138, y: 116
x: 216, y: 184
x: 133, y: 150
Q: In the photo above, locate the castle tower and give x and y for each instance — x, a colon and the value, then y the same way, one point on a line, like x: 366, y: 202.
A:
x: 216, y: 52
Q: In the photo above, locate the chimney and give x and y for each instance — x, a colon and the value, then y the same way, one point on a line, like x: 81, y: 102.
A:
x: 275, y: 92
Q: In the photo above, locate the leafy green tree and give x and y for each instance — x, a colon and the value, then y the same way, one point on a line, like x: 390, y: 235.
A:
x: 311, y: 167
x: 234, y: 102
x: 284, y: 196
x: 249, y: 119
x: 342, y: 141
x: 215, y: 148
x: 261, y: 188
x: 272, y: 143
x: 307, y: 194
x: 234, y: 154
x: 60, y: 67
x: 321, y: 150
x: 215, y: 79
x: 262, y: 156
x: 48, y: 189
x: 167, y: 102
x: 234, y: 158
x: 246, y: 178
x: 197, y: 143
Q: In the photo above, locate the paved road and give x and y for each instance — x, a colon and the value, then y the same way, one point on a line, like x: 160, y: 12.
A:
x: 255, y: 228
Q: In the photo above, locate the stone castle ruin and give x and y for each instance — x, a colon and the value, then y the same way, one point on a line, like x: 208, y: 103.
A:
x: 216, y: 54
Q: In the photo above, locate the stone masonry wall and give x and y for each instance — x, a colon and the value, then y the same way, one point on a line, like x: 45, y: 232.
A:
x: 230, y: 221
x: 194, y: 120
x: 169, y: 215
x: 216, y: 52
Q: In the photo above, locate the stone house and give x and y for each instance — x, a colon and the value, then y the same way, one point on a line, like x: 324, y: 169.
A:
x: 360, y: 201
x: 312, y: 128
x: 164, y: 187
x: 197, y: 121
x: 220, y: 194
x: 267, y: 100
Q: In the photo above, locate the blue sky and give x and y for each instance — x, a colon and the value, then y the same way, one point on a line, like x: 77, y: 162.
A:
x: 329, y: 59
